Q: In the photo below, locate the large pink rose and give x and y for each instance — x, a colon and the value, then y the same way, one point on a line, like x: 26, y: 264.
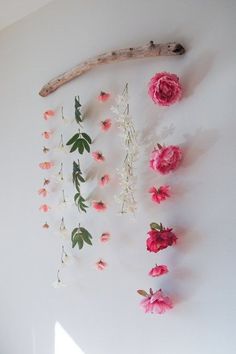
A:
x: 156, y: 302
x: 165, y: 89
x: 160, y: 239
x: 165, y: 159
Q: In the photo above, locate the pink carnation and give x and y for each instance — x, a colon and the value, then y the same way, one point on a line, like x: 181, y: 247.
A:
x: 98, y: 156
x: 104, y: 96
x: 104, y: 180
x: 158, y: 270
x: 101, y: 265
x: 160, y: 194
x: 156, y: 302
x: 165, y: 89
x: 46, y: 165
x: 99, y: 206
x: 48, y: 114
x: 105, y: 125
x: 42, y: 192
x: 44, y: 208
x: 105, y: 237
x: 47, y: 135
x: 160, y: 239
x: 165, y: 159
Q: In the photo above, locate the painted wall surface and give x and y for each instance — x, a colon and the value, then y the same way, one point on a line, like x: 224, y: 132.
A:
x: 100, y: 312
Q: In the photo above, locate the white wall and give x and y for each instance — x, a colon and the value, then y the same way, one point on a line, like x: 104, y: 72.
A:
x: 100, y: 311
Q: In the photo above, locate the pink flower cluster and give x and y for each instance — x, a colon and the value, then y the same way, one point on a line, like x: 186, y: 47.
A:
x: 155, y: 302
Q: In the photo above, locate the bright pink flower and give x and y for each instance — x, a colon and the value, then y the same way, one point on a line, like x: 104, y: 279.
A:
x: 101, y: 265
x: 165, y: 159
x: 105, y: 125
x: 44, y: 208
x: 165, y: 89
x: 98, y: 156
x: 48, y: 114
x: 160, y: 194
x: 46, y: 165
x: 43, y: 192
x: 158, y: 270
x: 160, y: 239
x: 156, y: 302
x: 104, y: 96
x: 105, y: 237
x: 47, y: 135
x: 104, y: 180
x: 99, y: 206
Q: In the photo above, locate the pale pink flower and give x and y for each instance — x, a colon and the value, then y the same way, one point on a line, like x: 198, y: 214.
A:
x: 98, y: 156
x: 47, y: 135
x: 158, y: 270
x: 48, y: 114
x: 104, y: 180
x: 160, y: 194
x: 165, y: 159
x: 44, y: 208
x: 101, y: 265
x: 42, y: 192
x: 104, y: 96
x: 156, y: 302
x: 165, y: 89
x: 46, y: 165
x: 105, y: 237
x: 105, y: 125
x: 99, y: 206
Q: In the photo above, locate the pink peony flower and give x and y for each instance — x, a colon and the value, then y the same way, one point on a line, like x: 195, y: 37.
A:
x: 98, y: 156
x: 160, y: 194
x: 104, y: 96
x: 164, y: 89
x: 99, y: 206
x: 105, y: 237
x: 158, y: 270
x: 42, y: 192
x: 165, y: 159
x: 101, y: 265
x: 156, y: 302
x: 160, y: 239
x: 48, y: 114
x: 46, y: 165
x: 105, y: 125
x: 44, y: 208
x: 47, y: 135
x: 104, y: 180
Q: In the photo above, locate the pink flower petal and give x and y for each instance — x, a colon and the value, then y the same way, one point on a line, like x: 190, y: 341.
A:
x: 44, y: 208
x: 101, y: 265
x: 104, y: 96
x: 47, y: 165
x: 158, y: 270
x: 48, y: 114
x: 99, y: 206
x: 47, y: 135
x: 42, y: 192
x: 98, y: 156
x: 105, y: 125
x: 105, y: 237
x: 160, y: 194
x: 104, y: 180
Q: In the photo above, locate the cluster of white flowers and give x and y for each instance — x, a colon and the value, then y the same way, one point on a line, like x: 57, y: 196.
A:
x: 128, y: 179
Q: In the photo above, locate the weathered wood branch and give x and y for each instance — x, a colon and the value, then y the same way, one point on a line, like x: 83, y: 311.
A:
x: 146, y: 51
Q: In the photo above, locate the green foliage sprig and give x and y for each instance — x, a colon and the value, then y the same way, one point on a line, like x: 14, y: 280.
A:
x: 79, y: 236
x: 77, y: 179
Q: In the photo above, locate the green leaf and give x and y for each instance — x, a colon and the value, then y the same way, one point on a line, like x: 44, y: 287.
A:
x: 74, y: 147
x: 155, y: 226
x: 78, y: 115
x: 80, y: 242
x: 142, y: 293
x: 86, y: 238
x: 74, y: 239
x: 86, y: 145
x: 74, y: 232
x: 87, y: 137
x: 80, y: 178
x: 80, y: 146
x: 73, y: 139
x: 85, y: 231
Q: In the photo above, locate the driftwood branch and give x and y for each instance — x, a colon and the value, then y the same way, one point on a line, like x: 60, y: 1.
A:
x: 146, y: 51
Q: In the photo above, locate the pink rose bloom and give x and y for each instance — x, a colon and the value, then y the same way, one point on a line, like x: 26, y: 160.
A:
x: 42, y: 192
x: 156, y: 302
x: 165, y: 89
x: 46, y: 165
x: 101, y: 265
x: 160, y: 239
x: 104, y: 180
x: 48, y: 114
x: 104, y: 96
x: 165, y: 159
x: 158, y: 270
x: 47, y: 135
x: 105, y: 237
x: 98, y: 156
x: 160, y: 194
x: 99, y: 206
x: 44, y: 208
x: 105, y: 125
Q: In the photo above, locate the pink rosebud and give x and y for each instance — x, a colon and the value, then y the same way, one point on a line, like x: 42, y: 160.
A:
x: 44, y: 208
x: 46, y: 165
x: 98, y: 156
x: 165, y: 89
x: 48, y: 114
x: 160, y: 239
x: 160, y: 194
x: 158, y: 270
x: 47, y: 135
x: 101, y: 265
x: 104, y: 180
x: 42, y: 192
x: 156, y: 302
x: 105, y: 237
x: 166, y: 159
x: 104, y: 96
x: 99, y: 206
x: 105, y: 125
